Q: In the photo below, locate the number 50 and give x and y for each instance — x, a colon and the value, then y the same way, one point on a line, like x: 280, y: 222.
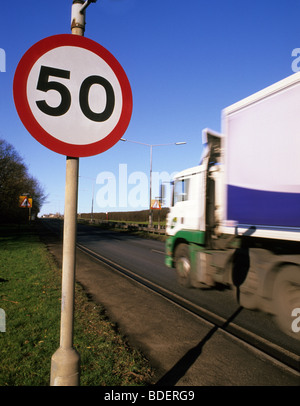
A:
x: 44, y: 84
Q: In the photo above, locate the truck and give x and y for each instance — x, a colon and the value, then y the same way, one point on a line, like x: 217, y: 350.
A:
x: 234, y: 219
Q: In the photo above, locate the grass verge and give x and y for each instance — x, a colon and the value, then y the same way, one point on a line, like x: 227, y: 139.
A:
x: 30, y: 295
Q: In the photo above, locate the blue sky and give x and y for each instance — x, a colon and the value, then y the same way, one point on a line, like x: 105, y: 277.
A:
x: 185, y: 60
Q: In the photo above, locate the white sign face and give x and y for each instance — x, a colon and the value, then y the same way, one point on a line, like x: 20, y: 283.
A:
x: 77, y: 97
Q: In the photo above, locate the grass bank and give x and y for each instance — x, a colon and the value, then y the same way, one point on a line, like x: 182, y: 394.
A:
x: 30, y: 295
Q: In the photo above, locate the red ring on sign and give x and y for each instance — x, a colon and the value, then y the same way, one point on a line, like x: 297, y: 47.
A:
x: 34, y: 128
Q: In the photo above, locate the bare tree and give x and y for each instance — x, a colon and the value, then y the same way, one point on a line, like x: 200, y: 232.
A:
x: 15, y: 181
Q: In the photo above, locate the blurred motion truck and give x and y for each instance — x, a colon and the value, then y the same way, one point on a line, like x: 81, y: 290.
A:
x: 235, y: 218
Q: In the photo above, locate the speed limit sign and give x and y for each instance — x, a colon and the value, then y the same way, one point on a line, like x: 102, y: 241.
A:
x: 72, y: 95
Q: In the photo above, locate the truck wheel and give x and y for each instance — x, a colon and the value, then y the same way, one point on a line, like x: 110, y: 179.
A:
x: 286, y: 298
x: 183, y: 265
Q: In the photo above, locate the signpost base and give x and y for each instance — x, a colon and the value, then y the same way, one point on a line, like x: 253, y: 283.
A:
x: 65, y: 367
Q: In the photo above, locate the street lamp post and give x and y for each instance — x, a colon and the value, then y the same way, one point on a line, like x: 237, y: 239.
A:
x: 151, y: 147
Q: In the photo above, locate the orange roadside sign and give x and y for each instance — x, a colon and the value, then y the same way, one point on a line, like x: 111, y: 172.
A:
x: 25, y: 202
x: 155, y: 204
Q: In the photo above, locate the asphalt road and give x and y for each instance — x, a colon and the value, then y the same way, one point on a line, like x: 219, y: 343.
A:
x: 184, y: 349
x: 146, y: 258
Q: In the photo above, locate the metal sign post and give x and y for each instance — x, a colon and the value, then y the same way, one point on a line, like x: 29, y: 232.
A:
x: 65, y: 362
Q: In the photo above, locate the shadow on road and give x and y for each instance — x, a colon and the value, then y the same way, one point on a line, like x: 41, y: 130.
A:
x: 183, y: 365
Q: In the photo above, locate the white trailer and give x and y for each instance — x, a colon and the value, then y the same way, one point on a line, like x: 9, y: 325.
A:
x: 235, y: 218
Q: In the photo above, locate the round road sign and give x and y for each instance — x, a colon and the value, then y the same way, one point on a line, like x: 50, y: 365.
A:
x: 72, y: 95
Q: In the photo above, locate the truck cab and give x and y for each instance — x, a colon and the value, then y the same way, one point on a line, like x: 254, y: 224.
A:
x: 194, y: 220
x: 188, y: 206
